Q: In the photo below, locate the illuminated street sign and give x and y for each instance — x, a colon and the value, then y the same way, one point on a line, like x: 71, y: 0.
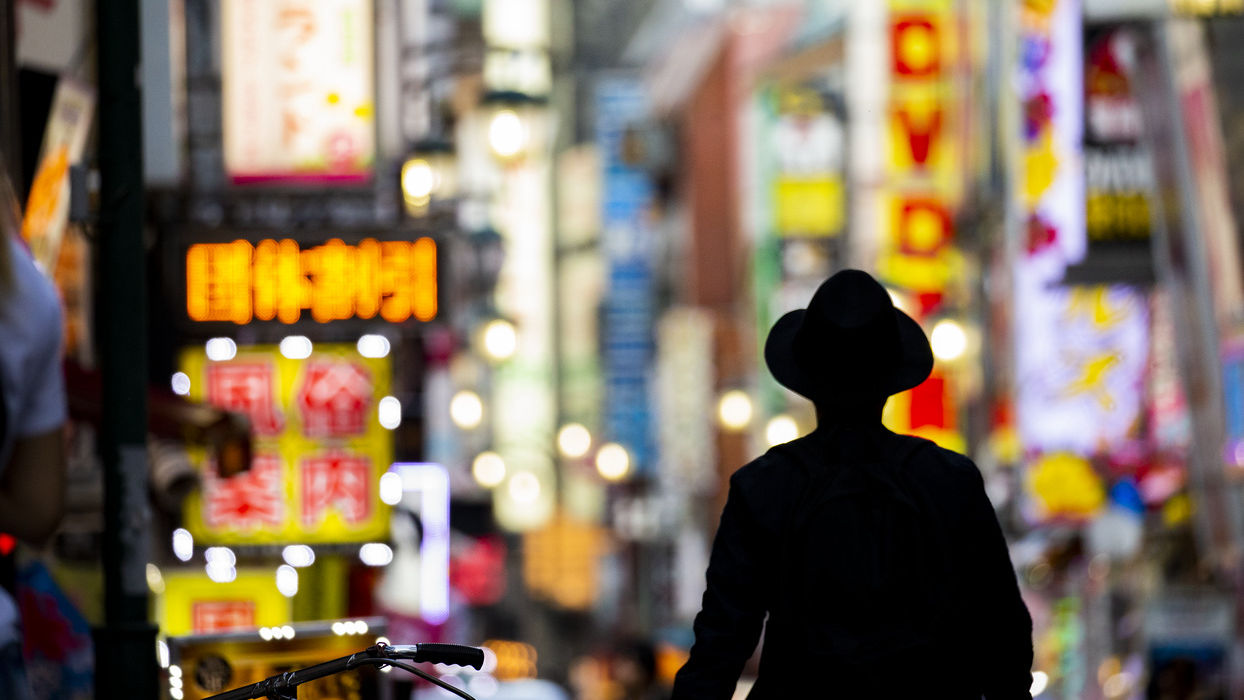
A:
x: 243, y: 281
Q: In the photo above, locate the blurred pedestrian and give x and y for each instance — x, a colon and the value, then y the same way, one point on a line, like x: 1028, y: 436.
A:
x: 32, y: 418
x: 877, y: 557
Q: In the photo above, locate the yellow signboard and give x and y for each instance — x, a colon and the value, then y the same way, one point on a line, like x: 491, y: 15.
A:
x: 319, y: 448
x: 270, y: 280
x: 192, y: 603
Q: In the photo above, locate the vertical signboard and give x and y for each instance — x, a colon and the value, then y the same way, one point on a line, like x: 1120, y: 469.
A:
x: 319, y: 448
x: 298, y: 90
x: 626, y: 194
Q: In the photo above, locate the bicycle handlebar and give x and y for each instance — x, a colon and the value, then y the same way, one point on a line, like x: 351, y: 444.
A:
x: 450, y: 654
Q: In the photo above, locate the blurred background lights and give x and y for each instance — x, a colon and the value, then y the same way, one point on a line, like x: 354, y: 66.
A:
x: 221, y: 573
x: 574, y: 440
x: 781, y: 428
x: 500, y: 339
x: 155, y: 579
x: 390, y: 488
x: 488, y: 469
x: 373, y: 345
x: 612, y: 461
x: 298, y: 555
x: 948, y: 339
x: 734, y: 409
x: 524, y: 488
x: 376, y: 554
x: 418, y: 179
x: 220, y: 555
x: 287, y: 580
x: 181, y: 383
x: 162, y: 654
x: 183, y: 544
x: 507, y: 136
x: 1040, y: 680
x: 296, y: 347
x: 466, y: 409
x: 389, y: 412
x: 221, y: 349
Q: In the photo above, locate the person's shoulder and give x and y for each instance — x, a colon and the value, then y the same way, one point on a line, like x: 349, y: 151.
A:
x: 777, y: 461
x: 928, y: 455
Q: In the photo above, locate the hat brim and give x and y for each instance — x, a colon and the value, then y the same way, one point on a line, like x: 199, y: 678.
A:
x: 913, y: 367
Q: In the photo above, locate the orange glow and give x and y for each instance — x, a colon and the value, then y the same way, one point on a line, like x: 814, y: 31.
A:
x: 270, y: 279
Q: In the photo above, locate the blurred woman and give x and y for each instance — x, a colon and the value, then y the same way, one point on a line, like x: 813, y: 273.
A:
x: 32, y: 416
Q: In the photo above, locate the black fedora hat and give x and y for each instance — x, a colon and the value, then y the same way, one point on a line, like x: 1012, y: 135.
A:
x: 850, y: 338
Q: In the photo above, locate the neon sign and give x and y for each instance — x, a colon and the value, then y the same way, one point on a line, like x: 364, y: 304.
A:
x: 269, y: 280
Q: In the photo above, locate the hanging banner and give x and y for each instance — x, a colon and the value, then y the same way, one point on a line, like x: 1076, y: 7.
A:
x: 923, y: 164
x: 297, y: 90
x: 64, y: 140
x: 319, y: 449
x: 629, y: 316
x: 1118, y: 173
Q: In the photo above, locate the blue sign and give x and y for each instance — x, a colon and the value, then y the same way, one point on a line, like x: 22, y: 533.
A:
x: 627, y: 326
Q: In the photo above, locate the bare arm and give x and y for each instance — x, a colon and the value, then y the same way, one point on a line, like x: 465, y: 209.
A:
x: 32, y: 489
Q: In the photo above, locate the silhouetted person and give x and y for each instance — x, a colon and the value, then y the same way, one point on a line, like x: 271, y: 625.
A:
x: 876, y: 556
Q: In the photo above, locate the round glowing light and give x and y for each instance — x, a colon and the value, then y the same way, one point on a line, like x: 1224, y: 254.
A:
x: 221, y: 573
x: 1040, y: 680
x: 360, y: 626
x: 389, y: 412
x: 574, y: 440
x: 390, y: 488
x: 781, y: 428
x: 287, y: 580
x: 948, y: 339
x: 174, y: 671
x: 265, y: 633
x: 376, y: 554
x: 183, y: 544
x: 221, y: 349
x: 155, y: 579
x: 500, y: 339
x: 176, y: 693
x: 339, y: 628
x: 506, y: 134
x: 488, y: 469
x: 418, y: 179
x: 181, y: 383
x: 524, y: 488
x: 466, y: 409
x: 222, y: 556
x: 296, y: 347
x: 372, y: 345
x: 613, y: 462
x: 734, y: 409
x: 298, y: 555
x: 288, y: 630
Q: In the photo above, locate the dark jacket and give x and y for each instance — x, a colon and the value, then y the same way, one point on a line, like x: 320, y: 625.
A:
x: 983, y: 643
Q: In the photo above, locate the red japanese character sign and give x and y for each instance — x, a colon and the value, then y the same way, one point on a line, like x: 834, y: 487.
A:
x: 339, y: 482
x: 335, y: 399
x: 222, y: 615
x: 247, y: 388
x: 249, y: 500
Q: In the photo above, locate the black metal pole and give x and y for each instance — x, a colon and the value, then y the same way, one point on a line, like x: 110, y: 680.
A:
x: 125, y: 661
x: 10, y: 128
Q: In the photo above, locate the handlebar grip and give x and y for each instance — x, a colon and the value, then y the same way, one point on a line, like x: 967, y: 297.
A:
x: 451, y: 654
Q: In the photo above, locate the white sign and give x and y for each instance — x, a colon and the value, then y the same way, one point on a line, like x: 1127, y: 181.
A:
x: 298, y: 90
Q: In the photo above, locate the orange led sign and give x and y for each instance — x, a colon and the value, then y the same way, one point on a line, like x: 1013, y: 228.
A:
x: 269, y: 280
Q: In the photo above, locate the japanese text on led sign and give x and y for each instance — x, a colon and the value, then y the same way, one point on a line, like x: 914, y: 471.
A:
x: 269, y: 280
